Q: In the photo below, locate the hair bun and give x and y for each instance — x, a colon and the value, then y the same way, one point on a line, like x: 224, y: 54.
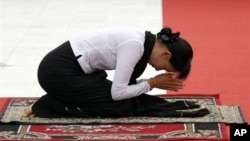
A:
x: 166, y: 35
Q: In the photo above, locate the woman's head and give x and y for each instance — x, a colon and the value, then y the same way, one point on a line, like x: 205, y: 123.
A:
x: 181, y: 51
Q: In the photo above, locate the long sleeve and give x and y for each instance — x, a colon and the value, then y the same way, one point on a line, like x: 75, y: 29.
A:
x: 128, y: 54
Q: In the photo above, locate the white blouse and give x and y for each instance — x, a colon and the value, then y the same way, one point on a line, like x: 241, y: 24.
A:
x: 116, y: 49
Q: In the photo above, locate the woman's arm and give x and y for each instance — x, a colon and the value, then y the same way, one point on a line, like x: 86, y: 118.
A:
x: 128, y: 54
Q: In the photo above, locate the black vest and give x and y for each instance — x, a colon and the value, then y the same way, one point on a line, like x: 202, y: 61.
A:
x: 142, y: 63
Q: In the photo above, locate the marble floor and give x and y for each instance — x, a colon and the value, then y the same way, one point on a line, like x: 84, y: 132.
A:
x: 31, y: 28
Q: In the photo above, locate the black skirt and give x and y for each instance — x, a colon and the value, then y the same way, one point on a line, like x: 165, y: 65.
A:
x: 66, y: 84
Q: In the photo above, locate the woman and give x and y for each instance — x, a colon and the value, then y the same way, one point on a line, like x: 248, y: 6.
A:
x: 74, y: 77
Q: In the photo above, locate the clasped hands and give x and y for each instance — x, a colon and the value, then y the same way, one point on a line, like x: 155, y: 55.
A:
x: 166, y: 81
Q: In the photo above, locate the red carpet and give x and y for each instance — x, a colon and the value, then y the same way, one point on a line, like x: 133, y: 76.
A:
x: 219, y: 32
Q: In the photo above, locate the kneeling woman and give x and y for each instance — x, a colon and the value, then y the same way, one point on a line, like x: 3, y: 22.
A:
x: 74, y: 77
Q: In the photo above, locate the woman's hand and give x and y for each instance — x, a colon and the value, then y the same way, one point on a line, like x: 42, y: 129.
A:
x: 166, y: 81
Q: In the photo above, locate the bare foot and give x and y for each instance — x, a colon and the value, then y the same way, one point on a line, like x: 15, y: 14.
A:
x: 28, y: 113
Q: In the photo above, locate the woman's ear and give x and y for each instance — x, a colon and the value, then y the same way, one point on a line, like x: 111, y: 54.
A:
x: 166, y: 54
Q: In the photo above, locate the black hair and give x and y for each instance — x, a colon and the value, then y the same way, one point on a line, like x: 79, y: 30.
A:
x: 181, y: 50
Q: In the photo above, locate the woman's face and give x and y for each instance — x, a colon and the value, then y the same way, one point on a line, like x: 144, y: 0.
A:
x: 161, y: 62
x: 160, y: 58
x: 165, y: 65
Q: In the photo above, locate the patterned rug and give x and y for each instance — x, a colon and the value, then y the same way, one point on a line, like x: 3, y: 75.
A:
x: 15, y: 107
x: 116, y: 132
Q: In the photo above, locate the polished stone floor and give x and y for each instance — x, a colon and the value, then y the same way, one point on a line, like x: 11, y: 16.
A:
x: 31, y: 28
